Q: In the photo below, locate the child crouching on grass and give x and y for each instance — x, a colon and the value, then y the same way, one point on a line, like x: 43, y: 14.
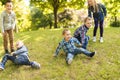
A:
x: 19, y: 57
x: 68, y: 45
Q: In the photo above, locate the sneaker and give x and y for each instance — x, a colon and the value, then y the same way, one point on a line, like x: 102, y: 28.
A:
x: 35, y: 65
x: 101, y: 39
x: 94, y: 39
x: 1, y: 66
x: 92, y: 54
x: 70, y: 61
x: 12, y: 50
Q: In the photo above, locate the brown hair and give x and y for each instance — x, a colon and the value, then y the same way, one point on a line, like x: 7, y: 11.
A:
x: 64, y: 31
x: 95, y: 6
x: 8, y: 1
x: 87, y: 18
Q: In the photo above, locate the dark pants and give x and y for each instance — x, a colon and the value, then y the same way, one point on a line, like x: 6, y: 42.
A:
x: 98, y: 23
x: 84, y: 45
x: 8, y: 34
x: 17, y: 60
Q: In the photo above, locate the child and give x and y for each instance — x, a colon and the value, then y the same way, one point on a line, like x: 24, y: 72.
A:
x: 7, y: 24
x: 19, y: 57
x: 80, y: 33
x: 99, y: 12
x: 68, y: 45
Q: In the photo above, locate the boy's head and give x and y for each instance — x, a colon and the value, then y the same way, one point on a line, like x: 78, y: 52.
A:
x: 19, y: 44
x: 67, y: 34
x: 8, y: 6
x: 88, y: 22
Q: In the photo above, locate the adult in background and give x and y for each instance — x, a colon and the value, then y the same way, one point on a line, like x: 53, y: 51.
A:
x: 99, y: 12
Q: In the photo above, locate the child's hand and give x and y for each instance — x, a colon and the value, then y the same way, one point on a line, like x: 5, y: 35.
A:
x: 13, y: 54
x: 54, y: 55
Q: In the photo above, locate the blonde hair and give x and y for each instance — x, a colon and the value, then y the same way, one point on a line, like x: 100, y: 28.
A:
x: 95, y: 6
x: 87, y: 18
x: 64, y: 31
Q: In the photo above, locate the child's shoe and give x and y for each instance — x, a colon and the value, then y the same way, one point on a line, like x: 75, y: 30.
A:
x: 70, y: 61
x: 35, y: 65
x: 1, y: 66
x: 92, y: 54
x: 101, y: 39
x: 94, y: 39
x: 6, y: 51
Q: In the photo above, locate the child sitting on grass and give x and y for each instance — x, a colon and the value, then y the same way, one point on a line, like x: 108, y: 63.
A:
x: 80, y: 33
x: 19, y: 57
x: 68, y: 45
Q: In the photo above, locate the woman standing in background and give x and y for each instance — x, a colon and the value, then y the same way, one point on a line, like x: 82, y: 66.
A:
x: 99, y: 12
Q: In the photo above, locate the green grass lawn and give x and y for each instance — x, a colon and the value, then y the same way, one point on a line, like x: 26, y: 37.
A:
x: 105, y: 65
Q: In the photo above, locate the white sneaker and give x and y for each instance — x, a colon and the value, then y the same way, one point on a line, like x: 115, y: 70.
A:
x: 70, y: 61
x: 94, y: 39
x: 101, y: 39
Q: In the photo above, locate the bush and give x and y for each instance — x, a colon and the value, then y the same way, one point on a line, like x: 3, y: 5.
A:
x: 115, y: 24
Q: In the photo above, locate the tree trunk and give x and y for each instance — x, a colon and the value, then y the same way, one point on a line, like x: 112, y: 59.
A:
x: 55, y: 17
x: 55, y: 7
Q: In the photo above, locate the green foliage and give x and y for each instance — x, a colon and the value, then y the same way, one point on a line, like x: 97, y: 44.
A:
x: 115, y: 24
x: 105, y: 65
x: 39, y: 19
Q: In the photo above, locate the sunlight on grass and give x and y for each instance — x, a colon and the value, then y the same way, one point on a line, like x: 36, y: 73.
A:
x: 105, y: 65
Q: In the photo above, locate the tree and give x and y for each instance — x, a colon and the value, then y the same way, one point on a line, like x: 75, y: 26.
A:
x: 56, y: 5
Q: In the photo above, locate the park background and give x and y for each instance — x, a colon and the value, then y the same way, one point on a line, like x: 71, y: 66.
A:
x: 39, y: 24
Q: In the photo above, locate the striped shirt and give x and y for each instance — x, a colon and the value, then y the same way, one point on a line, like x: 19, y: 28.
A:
x: 68, y: 47
x: 7, y: 21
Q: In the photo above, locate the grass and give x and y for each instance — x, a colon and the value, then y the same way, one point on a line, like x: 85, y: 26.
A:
x: 105, y: 65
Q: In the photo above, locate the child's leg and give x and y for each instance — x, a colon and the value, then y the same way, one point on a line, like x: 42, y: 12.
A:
x: 22, y: 60
x: 7, y: 57
x: 84, y: 51
x: 84, y: 45
x: 96, y: 27
x: 101, y: 28
x: 5, y: 41
x: 69, y: 58
x: 11, y: 37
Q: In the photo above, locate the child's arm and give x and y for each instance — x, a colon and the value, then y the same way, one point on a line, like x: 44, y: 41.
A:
x: 1, y: 23
x: 77, y: 42
x: 20, y: 51
x: 58, y: 49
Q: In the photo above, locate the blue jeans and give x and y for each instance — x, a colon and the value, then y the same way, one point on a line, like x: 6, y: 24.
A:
x: 23, y: 60
x: 84, y: 45
x: 77, y: 51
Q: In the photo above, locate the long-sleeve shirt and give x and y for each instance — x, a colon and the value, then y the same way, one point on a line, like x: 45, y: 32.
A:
x: 100, y: 14
x: 7, y: 21
x: 68, y: 47
x: 22, y: 51
x: 81, y: 32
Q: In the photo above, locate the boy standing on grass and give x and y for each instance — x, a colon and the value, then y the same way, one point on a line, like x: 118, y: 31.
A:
x: 68, y: 45
x: 19, y: 57
x: 80, y: 33
x: 7, y: 24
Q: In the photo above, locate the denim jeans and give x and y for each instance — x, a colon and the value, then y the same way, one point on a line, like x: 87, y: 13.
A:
x: 77, y: 51
x: 23, y: 60
x: 84, y: 45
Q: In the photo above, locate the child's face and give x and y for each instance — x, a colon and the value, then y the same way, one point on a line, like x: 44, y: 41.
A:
x: 67, y: 35
x: 9, y: 6
x: 88, y: 23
